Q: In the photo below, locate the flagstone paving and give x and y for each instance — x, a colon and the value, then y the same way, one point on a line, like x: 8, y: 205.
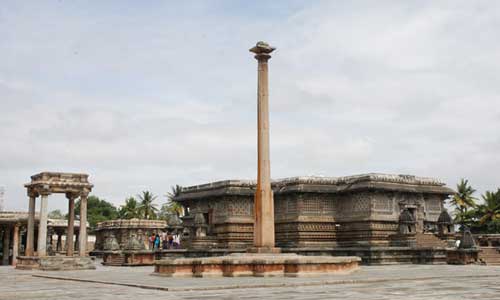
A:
x: 370, y: 282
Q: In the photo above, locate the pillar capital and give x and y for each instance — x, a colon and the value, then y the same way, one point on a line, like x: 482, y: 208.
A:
x: 44, y: 191
x: 262, y: 51
x: 32, y: 193
x: 72, y: 195
x: 85, y: 193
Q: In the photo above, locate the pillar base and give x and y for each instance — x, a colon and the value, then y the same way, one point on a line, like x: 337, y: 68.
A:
x: 264, y: 250
x: 55, y: 263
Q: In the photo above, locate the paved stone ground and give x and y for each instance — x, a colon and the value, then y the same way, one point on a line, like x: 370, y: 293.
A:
x: 377, y: 282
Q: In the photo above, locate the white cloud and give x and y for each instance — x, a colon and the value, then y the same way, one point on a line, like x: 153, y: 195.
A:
x: 151, y: 96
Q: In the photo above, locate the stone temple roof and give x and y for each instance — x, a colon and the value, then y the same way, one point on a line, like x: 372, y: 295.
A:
x: 58, y: 182
x: 445, y: 218
x: 408, y: 183
x: 15, y: 216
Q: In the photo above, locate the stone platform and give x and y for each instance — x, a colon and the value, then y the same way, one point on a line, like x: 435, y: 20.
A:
x: 55, y: 263
x: 128, y: 258
x: 462, y: 256
x: 257, y: 265
x: 381, y: 255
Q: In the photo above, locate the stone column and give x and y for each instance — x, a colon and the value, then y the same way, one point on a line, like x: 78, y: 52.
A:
x: 42, y: 227
x: 59, y: 241
x: 76, y: 244
x: 30, y: 234
x: 6, y: 245
x: 71, y: 223
x: 263, y: 203
x: 15, y: 244
x: 83, y: 226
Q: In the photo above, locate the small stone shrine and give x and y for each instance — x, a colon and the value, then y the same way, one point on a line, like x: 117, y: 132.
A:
x: 126, y: 242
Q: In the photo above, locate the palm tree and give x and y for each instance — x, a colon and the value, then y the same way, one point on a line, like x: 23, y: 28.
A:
x: 173, y: 206
x: 175, y: 191
x: 489, y: 212
x: 147, y: 207
x: 130, y: 210
x: 463, y: 200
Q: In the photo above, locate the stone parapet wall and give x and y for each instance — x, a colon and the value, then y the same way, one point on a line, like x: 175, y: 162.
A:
x: 387, y: 182
x: 127, y: 234
x: 131, y: 223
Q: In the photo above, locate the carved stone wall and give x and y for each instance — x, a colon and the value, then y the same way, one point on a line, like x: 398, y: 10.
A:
x: 304, y: 220
x: 326, y: 212
x: 127, y: 234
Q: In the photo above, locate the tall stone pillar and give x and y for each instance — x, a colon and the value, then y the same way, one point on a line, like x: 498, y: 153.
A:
x: 6, y: 245
x: 82, y: 247
x: 15, y: 244
x: 71, y: 225
x: 30, y: 234
x: 263, y: 203
x: 42, y: 227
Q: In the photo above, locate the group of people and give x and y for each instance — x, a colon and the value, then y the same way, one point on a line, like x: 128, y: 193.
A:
x: 165, y: 241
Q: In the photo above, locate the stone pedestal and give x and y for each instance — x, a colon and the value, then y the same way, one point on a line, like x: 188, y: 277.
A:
x: 257, y: 265
x: 55, y: 263
x: 128, y: 258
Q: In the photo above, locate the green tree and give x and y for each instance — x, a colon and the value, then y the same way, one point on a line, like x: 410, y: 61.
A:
x: 98, y: 210
x: 130, y: 209
x: 147, y: 208
x: 173, y: 206
x: 463, y: 200
x: 488, y: 213
x: 56, y: 214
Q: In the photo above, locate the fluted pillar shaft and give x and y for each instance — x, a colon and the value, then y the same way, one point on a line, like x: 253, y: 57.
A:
x: 42, y: 227
x: 15, y: 244
x: 30, y: 234
x: 71, y: 226
x: 6, y: 245
x: 82, y: 247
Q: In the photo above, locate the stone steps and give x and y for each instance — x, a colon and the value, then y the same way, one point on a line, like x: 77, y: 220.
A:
x: 425, y: 240
x: 490, y: 255
x: 114, y: 260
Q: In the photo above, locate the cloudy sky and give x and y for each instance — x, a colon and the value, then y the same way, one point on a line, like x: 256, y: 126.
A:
x: 143, y: 95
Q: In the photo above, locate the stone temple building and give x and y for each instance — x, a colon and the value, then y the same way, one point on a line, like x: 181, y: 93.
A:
x: 381, y: 218
x: 13, y: 233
